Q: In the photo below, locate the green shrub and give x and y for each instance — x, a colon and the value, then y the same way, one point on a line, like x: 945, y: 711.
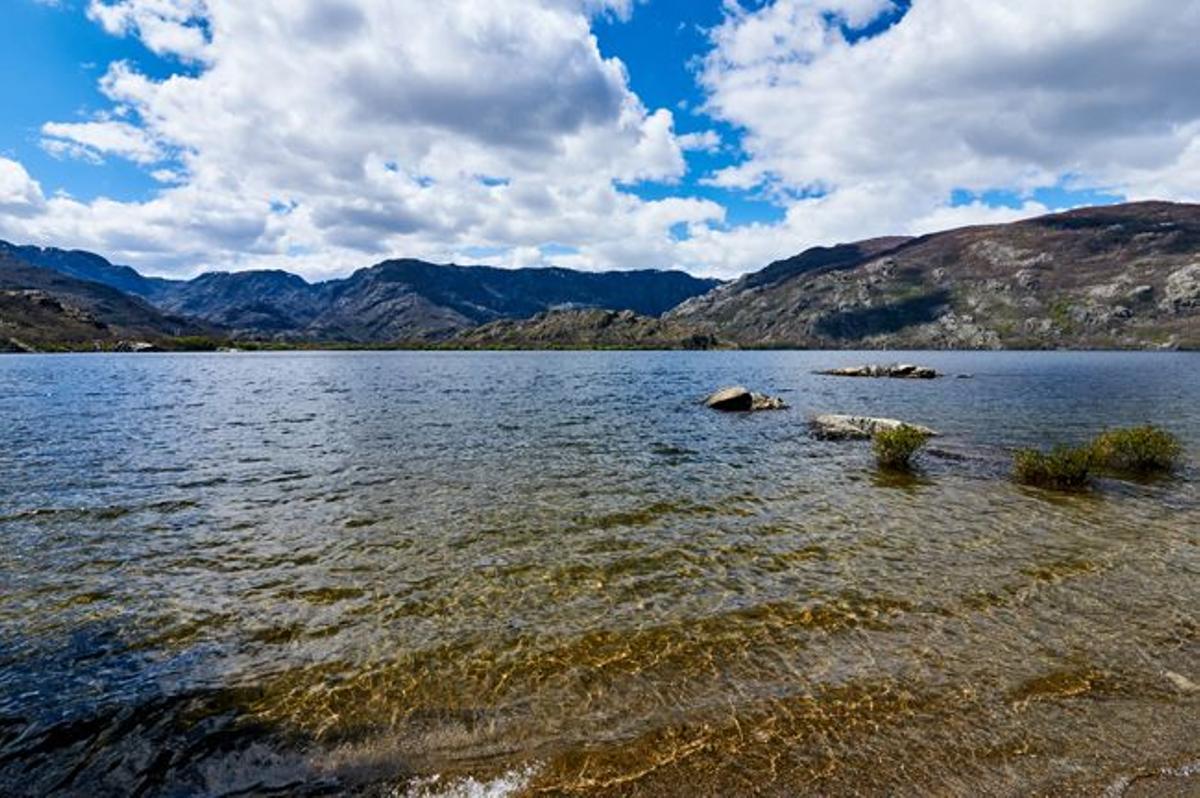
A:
x: 894, y: 448
x: 195, y: 343
x: 1063, y: 468
x: 1136, y: 450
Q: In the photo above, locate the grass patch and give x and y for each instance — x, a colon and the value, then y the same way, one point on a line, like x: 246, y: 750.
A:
x: 894, y: 448
x: 195, y: 343
x: 1063, y: 468
x: 1141, y: 451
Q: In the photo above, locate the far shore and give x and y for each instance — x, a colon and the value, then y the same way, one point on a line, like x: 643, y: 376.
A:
x: 232, y: 347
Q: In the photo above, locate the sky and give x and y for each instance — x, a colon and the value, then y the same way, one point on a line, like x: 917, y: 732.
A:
x: 321, y: 136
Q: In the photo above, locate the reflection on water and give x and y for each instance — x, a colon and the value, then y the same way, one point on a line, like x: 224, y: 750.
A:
x: 422, y: 573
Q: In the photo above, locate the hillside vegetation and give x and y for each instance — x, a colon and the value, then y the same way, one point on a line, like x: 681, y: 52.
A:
x: 1125, y: 276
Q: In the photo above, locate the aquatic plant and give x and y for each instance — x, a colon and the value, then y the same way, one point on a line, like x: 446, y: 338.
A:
x: 895, y: 447
x: 1136, y: 450
x: 1063, y: 468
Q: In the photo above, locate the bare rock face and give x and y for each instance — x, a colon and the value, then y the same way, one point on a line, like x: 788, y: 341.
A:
x: 740, y: 399
x: 839, y: 427
x: 1183, y: 289
x: 898, y: 371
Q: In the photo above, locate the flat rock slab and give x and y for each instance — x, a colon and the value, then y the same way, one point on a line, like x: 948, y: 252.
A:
x: 904, y: 371
x: 740, y: 399
x: 840, y: 428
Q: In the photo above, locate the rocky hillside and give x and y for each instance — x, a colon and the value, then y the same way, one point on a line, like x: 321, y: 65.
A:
x: 44, y: 310
x: 586, y: 329
x: 394, y: 300
x: 1125, y: 276
x: 90, y: 267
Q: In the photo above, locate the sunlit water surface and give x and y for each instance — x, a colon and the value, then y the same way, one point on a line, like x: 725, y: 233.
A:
x: 421, y: 573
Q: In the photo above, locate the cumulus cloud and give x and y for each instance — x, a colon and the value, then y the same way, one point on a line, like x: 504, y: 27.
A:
x: 177, y: 27
x: 875, y: 134
x: 319, y: 135
x: 20, y: 194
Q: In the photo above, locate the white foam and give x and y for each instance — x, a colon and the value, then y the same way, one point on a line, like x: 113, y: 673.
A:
x: 502, y: 786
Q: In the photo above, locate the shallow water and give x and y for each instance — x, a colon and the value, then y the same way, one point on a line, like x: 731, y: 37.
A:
x: 428, y: 573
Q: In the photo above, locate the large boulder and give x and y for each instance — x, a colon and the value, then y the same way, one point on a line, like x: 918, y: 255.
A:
x: 740, y: 399
x: 896, y: 370
x: 838, y: 427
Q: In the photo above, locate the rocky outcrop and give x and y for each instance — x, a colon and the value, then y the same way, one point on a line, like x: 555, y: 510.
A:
x: 905, y: 371
x: 740, y: 399
x: 1183, y: 289
x: 136, y: 346
x: 839, y: 427
x: 585, y: 329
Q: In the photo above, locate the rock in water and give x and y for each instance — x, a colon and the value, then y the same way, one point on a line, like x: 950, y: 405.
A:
x: 764, y: 402
x: 735, y: 398
x: 909, y: 371
x: 899, y: 371
x: 836, y: 427
x: 136, y: 346
x: 740, y: 399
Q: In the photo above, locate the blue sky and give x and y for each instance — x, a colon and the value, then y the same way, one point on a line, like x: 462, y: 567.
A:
x: 710, y: 135
x: 659, y: 46
x: 53, y: 58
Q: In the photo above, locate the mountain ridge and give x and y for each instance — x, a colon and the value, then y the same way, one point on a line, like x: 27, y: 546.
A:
x: 43, y: 309
x: 1119, y: 276
x: 392, y: 300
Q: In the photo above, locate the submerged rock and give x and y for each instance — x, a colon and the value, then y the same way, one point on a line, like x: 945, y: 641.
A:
x: 838, y: 427
x: 896, y: 370
x: 740, y: 399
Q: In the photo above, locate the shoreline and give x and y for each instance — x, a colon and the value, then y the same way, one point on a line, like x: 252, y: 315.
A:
x: 247, y: 347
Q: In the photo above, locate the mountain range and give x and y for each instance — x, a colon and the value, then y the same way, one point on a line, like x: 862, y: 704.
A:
x: 397, y: 300
x: 1120, y: 276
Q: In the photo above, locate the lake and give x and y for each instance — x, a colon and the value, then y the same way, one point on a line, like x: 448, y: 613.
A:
x: 499, y: 573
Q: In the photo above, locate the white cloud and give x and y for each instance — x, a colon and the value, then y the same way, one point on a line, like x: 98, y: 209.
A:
x: 20, y: 194
x: 320, y: 135
x: 398, y: 128
x: 703, y: 141
x: 92, y: 140
x: 165, y: 26
x: 1010, y: 95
